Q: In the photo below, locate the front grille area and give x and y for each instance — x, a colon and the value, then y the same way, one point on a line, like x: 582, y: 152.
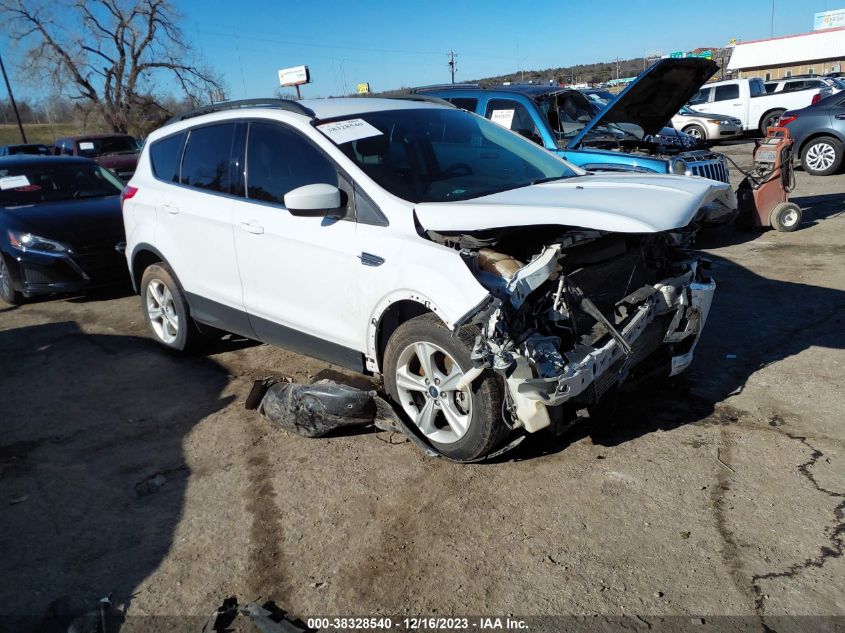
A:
x: 707, y: 165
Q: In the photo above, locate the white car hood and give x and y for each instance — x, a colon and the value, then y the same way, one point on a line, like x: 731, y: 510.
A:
x: 624, y: 203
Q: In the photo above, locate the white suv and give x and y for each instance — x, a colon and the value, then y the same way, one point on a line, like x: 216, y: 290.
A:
x: 493, y: 285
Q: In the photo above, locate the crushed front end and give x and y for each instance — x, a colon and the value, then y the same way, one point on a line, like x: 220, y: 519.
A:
x: 587, y: 312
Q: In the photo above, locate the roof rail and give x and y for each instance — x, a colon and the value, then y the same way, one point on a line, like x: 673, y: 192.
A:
x: 446, y: 86
x: 426, y: 98
x: 268, y: 102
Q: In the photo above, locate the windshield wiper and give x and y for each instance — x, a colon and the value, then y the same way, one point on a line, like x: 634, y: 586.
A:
x: 540, y: 181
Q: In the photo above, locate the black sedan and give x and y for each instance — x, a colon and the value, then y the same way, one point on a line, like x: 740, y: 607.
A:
x: 61, y: 227
x: 819, y: 133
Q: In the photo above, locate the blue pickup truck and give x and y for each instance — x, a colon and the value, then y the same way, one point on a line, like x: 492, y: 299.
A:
x: 627, y: 135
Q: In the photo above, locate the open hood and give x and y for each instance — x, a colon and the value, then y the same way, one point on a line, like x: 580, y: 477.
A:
x: 625, y: 203
x: 655, y: 96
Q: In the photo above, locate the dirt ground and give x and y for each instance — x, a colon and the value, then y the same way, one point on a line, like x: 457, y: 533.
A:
x: 720, y: 493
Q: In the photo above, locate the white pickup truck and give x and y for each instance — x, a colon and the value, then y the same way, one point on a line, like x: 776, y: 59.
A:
x: 747, y: 100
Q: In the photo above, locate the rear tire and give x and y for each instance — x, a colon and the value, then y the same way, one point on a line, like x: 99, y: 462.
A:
x: 769, y: 120
x: 166, y: 310
x: 785, y: 217
x: 822, y: 156
x: 463, y: 425
x: 8, y: 294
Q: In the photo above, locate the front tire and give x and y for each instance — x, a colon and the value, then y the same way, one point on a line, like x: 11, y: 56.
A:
x: 8, y: 294
x: 822, y: 156
x: 166, y: 310
x: 697, y: 132
x: 423, y: 362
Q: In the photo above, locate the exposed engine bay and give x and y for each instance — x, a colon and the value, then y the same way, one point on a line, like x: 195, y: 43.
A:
x: 573, y: 313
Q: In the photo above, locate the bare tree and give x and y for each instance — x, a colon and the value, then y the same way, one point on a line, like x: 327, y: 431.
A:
x: 112, y: 55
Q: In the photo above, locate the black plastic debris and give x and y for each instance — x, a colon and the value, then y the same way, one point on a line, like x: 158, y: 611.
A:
x: 315, y: 410
x: 325, y: 406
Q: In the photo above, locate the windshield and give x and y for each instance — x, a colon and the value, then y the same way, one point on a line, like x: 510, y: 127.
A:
x: 568, y: 112
x: 441, y: 155
x: 108, y: 145
x: 34, y: 184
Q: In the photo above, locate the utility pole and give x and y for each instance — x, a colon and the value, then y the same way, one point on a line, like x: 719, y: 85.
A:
x: 617, y: 68
x: 12, y: 99
x: 453, y: 64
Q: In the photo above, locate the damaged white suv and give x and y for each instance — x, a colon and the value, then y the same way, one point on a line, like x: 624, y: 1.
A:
x: 493, y: 285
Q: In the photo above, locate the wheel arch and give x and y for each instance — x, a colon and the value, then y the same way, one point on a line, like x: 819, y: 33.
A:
x: 144, y: 255
x: 392, y: 312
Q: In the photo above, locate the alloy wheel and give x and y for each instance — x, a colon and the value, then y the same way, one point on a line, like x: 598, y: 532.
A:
x: 820, y: 156
x: 695, y: 133
x: 426, y: 382
x: 162, y: 311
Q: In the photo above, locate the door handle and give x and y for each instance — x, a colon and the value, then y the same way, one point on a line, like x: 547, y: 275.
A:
x: 252, y: 227
x: 839, y: 116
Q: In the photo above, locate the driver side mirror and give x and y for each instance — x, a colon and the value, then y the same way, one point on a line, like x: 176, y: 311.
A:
x: 316, y: 200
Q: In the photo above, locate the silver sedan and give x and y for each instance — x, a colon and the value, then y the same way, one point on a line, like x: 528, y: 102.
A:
x: 707, y: 127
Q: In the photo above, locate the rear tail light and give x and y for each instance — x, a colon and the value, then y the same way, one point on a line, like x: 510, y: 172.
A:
x: 127, y: 193
x: 786, y: 120
x: 816, y: 98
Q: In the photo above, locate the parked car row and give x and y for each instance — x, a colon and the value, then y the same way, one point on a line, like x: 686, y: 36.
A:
x: 116, y: 152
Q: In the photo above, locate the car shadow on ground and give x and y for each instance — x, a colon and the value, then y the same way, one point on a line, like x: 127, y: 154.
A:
x: 92, y: 468
x: 754, y: 322
x: 814, y: 210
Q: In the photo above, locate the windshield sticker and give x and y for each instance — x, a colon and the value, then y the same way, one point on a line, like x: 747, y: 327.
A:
x: 503, y: 117
x: 350, y: 130
x: 86, y: 145
x: 13, y: 182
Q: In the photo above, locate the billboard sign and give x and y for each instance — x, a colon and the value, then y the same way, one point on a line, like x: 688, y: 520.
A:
x: 294, y: 76
x: 829, y: 19
x: 363, y: 88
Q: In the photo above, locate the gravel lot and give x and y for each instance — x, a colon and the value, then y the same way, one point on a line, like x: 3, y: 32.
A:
x: 721, y: 493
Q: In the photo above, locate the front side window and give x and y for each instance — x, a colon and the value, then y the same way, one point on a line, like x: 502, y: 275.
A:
x: 567, y: 112
x: 724, y: 93
x: 512, y: 115
x: 206, y: 161
x: 279, y: 160
x: 441, y: 155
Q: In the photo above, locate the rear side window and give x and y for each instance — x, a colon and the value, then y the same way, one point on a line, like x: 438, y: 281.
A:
x: 207, y: 157
x: 279, y: 160
x: 165, y: 155
x: 723, y: 93
x: 756, y: 87
x: 464, y: 103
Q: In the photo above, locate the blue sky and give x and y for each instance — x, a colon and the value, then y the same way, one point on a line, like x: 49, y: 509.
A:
x: 398, y: 43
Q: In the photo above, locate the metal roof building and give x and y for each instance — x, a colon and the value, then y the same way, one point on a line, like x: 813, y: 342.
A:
x: 815, y: 52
